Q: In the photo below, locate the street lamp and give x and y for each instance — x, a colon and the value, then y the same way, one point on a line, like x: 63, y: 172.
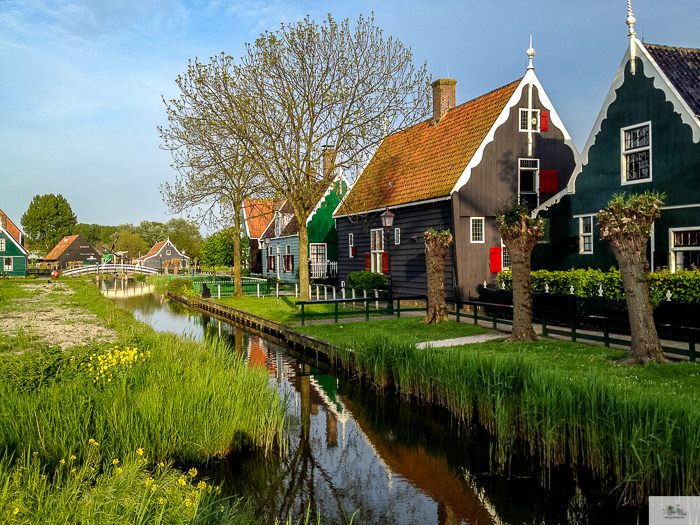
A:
x: 387, y: 224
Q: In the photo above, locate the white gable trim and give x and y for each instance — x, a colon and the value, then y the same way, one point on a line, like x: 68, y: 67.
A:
x: 529, y: 78
x: 14, y: 241
x: 245, y: 222
x: 171, y: 245
x: 338, y: 178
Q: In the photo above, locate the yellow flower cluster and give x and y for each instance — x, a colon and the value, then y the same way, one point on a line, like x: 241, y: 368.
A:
x: 103, y: 366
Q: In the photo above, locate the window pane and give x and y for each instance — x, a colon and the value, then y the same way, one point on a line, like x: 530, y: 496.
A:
x: 397, y: 236
x: 587, y: 224
x: 527, y: 180
x: 477, y: 230
x: 637, y: 138
x: 637, y: 165
x: 588, y: 243
x: 691, y: 238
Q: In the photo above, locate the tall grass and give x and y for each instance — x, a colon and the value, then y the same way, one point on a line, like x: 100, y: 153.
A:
x: 642, y: 436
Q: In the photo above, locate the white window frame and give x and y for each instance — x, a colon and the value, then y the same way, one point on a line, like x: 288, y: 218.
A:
x: 673, y: 250
x: 397, y: 235
x: 11, y: 267
x: 278, y: 224
x: 376, y: 256
x: 2, y: 244
x: 167, y: 252
x: 535, y: 114
x: 288, y: 249
x: 536, y: 174
x: 624, y: 153
x: 505, y: 255
x: 483, y: 230
x: 582, y: 235
x: 351, y: 244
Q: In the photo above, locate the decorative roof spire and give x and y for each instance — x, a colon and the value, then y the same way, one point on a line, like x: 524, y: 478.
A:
x: 633, y: 51
x: 530, y: 53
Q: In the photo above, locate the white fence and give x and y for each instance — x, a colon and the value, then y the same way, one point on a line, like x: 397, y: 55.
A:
x: 108, y: 268
x: 324, y: 270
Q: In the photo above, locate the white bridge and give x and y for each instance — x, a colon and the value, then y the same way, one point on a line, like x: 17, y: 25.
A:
x: 108, y: 268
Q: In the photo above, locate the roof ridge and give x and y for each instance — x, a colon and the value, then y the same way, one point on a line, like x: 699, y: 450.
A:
x: 663, y: 46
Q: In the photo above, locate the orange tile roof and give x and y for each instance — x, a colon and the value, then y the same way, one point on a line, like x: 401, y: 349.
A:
x: 60, y: 247
x: 426, y: 161
x: 156, y: 248
x: 258, y: 214
x: 10, y: 228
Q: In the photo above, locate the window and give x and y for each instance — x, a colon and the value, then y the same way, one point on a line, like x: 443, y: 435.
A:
x: 278, y: 224
x: 636, y: 153
x: 528, y: 187
x: 585, y: 234
x: 685, y: 249
x: 397, y: 235
x: 318, y: 260
x: 505, y: 257
x: 351, y: 244
x: 534, y: 122
x: 288, y: 259
x: 8, y: 264
x: 477, y: 229
x: 2, y: 245
x: 377, y: 245
x: 167, y: 252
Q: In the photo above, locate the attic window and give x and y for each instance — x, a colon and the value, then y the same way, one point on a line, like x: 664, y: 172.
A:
x: 534, y: 122
x: 278, y: 224
x: 167, y: 252
x: 2, y: 245
x: 636, y: 153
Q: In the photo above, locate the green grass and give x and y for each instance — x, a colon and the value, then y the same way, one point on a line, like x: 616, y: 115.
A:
x: 267, y: 307
x: 636, y: 427
x: 410, y: 329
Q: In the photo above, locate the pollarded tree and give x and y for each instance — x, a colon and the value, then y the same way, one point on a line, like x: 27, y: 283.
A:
x: 520, y: 233
x: 307, y: 86
x: 437, y: 245
x: 48, y: 219
x: 626, y: 226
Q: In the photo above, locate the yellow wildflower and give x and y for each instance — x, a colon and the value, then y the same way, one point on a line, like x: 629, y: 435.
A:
x: 201, y: 485
x: 115, y: 462
x: 62, y: 462
x: 15, y: 511
x: 161, y: 464
x: 193, y: 472
x: 161, y: 501
x: 139, y: 451
x: 149, y: 482
x: 188, y: 503
x: 119, y: 470
x: 72, y: 458
x: 182, y: 481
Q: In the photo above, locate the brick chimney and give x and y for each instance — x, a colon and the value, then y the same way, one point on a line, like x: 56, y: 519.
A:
x: 443, y: 98
x: 328, y: 160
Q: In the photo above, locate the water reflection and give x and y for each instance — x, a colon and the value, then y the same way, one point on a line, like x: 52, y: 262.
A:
x: 394, y: 462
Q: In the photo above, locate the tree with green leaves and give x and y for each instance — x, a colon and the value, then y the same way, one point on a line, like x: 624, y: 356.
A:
x: 48, y: 219
x: 626, y: 226
x: 185, y: 235
x: 131, y: 243
x: 95, y: 233
x: 520, y: 233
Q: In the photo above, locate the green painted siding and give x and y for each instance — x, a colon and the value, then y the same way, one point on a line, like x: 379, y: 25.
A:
x: 19, y: 259
x: 675, y: 164
x: 321, y: 227
x: 282, y: 242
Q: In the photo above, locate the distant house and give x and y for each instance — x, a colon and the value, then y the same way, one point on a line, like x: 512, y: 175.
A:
x: 281, y: 253
x: 257, y: 215
x: 13, y: 255
x: 71, y: 249
x: 646, y: 137
x: 454, y: 172
x: 162, y: 251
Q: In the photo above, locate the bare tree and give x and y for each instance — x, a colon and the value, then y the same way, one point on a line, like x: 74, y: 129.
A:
x: 308, y: 86
x: 626, y: 226
x: 215, y: 175
x: 520, y: 233
x: 437, y: 245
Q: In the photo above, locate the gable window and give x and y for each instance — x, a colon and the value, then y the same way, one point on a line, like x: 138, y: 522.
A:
x: 377, y: 245
x: 167, y: 252
x: 534, y: 120
x: 8, y: 264
x: 585, y: 234
x: 397, y: 235
x: 351, y: 244
x: 636, y: 153
x: 2, y: 245
x: 528, y: 184
x: 477, y: 229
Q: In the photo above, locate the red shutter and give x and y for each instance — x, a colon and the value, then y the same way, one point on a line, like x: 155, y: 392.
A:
x: 291, y: 263
x: 285, y: 262
x: 549, y: 181
x: 496, y: 260
x: 368, y: 262
x: 544, y: 120
x: 354, y: 251
x: 385, y: 262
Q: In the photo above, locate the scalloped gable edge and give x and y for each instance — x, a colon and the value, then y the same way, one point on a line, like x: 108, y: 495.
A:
x: 14, y: 241
x: 331, y: 187
x: 529, y: 78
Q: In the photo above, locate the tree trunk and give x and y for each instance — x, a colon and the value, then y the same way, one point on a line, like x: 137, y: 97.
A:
x: 522, y: 293
x: 436, y: 246
x: 238, y: 285
x: 303, y: 261
x: 630, y: 252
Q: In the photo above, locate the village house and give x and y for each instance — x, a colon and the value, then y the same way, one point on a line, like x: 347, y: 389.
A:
x: 646, y: 137
x: 454, y: 171
x: 71, y: 251
x: 13, y: 255
x: 161, y: 253
x: 257, y: 215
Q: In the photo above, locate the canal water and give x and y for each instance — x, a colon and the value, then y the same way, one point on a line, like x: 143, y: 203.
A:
x: 352, y: 451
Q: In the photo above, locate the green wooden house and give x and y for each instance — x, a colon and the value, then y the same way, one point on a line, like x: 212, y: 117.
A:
x: 13, y: 255
x: 647, y: 137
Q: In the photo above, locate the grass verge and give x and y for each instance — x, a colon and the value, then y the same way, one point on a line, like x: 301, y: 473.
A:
x: 636, y: 427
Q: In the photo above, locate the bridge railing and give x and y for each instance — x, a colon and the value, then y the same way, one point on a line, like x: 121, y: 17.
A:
x: 108, y: 268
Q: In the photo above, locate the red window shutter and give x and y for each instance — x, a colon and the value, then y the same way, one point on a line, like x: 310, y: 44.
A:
x: 544, y: 120
x: 285, y: 262
x: 291, y: 263
x: 549, y: 181
x: 496, y: 260
x: 368, y: 262
x: 385, y: 262
x: 354, y: 251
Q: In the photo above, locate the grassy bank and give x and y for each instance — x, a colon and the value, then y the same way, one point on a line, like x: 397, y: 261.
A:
x: 118, y: 414
x: 638, y: 428
x: 268, y: 307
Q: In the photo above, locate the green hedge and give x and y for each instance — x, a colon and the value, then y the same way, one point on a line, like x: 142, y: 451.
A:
x: 181, y: 287
x: 366, y: 280
x: 683, y: 285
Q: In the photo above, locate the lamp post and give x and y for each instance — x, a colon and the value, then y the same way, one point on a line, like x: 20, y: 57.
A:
x: 267, y: 251
x: 387, y: 224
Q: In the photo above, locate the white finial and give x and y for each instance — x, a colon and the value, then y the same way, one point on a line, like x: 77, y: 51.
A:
x: 530, y: 54
x: 630, y: 23
x: 630, y: 18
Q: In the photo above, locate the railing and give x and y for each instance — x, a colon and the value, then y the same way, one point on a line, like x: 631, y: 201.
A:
x: 219, y: 289
x: 366, y: 302
x: 324, y: 270
x: 108, y: 268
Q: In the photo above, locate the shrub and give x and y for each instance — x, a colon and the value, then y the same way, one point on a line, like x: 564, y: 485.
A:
x: 181, y: 287
x: 366, y: 280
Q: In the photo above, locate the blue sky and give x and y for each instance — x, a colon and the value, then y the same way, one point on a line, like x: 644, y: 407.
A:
x: 81, y: 81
